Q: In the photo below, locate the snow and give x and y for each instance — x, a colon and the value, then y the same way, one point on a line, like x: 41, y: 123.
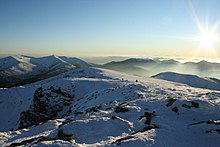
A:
x: 9, y: 61
x: 13, y: 101
x: 191, y: 80
x: 111, y: 108
x: 74, y: 61
x: 15, y: 69
x: 15, y: 65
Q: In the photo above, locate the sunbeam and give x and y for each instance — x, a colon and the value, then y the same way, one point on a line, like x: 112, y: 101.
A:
x: 208, y: 36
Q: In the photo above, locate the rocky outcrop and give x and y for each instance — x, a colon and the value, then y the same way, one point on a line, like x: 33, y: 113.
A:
x: 47, y: 104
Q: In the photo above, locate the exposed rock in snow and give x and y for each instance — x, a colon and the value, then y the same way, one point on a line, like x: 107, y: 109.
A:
x: 95, y: 107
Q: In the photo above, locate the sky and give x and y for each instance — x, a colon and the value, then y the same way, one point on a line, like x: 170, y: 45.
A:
x: 107, y: 27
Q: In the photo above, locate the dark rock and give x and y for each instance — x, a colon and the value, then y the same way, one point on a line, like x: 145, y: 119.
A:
x: 170, y: 102
x: 121, y: 109
x: 148, y: 116
x: 47, y: 104
x: 175, y: 109
x: 193, y: 105
x: 114, y: 117
x: 64, y: 136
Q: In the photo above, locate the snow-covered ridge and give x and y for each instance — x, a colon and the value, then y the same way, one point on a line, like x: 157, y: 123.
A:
x: 18, y: 70
x: 46, y: 61
x: 97, y: 107
x: 10, y: 61
x: 191, y: 80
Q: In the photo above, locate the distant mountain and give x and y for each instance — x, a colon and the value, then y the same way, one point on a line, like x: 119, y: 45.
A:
x: 133, y: 61
x: 104, y: 60
x: 19, y: 70
x: 203, y: 65
x: 191, y: 80
x: 139, y: 66
x: 150, y: 67
x: 168, y: 61
x: 214, y: 79
x: 131, y: 66
x: 98, y: 107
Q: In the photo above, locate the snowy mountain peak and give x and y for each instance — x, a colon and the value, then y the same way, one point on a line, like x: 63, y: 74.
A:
x: 17, y: 70
x: 47, y: 61
x: 10, y: 61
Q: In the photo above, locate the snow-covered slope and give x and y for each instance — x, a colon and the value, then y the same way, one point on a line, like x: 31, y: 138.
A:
x: 191, y: 80
x: 8, y: 62
x: 49, y: 62
x: 96, y: 107
x: 75, y: 61
x: 15, y: 64
x: 19, y: 70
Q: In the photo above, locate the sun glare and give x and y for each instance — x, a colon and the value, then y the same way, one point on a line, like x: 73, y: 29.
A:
x: 207, y: 39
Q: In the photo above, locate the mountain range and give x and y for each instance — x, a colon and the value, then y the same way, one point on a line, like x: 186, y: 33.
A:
x: 65, y: 101
x: 150, y: 67
x: 20, y: 69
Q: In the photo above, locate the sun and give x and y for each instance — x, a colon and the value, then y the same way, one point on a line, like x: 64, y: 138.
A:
x: 207, y: 38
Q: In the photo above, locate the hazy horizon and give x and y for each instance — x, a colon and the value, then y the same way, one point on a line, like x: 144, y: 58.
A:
x: 106, y: 59
x: 184, y: 28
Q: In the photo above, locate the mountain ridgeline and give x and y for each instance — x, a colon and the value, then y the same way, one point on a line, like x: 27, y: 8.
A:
x: 64, y: 101
x: 150, y: 67
x: 20, y: 70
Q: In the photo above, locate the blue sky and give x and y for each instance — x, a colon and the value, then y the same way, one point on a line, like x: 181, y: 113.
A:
x: 104, y: 27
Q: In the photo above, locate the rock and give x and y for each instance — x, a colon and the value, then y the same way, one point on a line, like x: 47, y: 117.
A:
x: 121, y: 109
x: 193, y: 105
x: 170, y: 102
x: 47, y: 104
